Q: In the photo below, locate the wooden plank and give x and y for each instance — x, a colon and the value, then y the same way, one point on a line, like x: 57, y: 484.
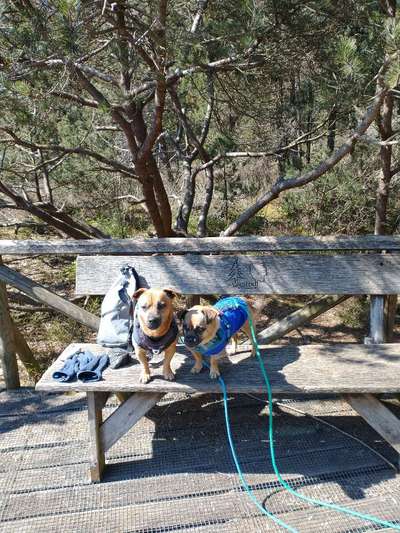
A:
x: 327, y: 368
x: 194, y: 245
x: 8, y: 357
x: 95, y: 401
x: 292, y: 274
x: 378, y: 416
x: 126, y: 416
x: 40, y: 294
x: 300, y: 317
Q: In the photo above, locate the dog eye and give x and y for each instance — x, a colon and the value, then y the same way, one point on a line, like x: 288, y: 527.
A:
x: 144, y: 307
x: 161, y: 305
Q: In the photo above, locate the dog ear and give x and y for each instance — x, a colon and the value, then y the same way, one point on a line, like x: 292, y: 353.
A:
x: 138, y: 293
x: 171, y: 293
x: 210, y: 313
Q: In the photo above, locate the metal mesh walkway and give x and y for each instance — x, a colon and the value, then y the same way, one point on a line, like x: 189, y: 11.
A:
x: 173, y: 471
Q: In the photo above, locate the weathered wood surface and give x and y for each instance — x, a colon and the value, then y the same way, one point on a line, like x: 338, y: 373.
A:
x: 300, y: 317
x: 338, y: 368
x: 39, y: 293
x: 292, y: 274
x: 95, y: 401
x: 126, y: 416
x: 8, y: 357
x: 205, y: 245
x: 378, y: 416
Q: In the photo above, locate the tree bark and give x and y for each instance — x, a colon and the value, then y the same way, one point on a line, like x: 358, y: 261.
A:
x: 202, y: 225
x: 186, y: 205
x: 382, y: 194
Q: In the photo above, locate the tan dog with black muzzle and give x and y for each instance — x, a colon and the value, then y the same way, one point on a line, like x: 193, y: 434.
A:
x: 208, y: 329
x: 154, y: 328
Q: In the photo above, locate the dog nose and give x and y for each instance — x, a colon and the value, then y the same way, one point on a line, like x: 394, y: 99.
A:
x: 192, y: 340
x: 154, y: 322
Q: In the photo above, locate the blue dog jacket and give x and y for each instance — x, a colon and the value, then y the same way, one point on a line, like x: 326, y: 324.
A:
x: 233, y: 313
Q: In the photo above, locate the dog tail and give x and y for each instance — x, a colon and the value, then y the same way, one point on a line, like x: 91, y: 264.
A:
x: 256, y: 305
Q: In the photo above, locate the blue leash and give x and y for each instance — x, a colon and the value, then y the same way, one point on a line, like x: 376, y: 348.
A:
x: 284, y: 484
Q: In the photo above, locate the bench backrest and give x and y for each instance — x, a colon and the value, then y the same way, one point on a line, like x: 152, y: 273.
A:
x: 316, y: 270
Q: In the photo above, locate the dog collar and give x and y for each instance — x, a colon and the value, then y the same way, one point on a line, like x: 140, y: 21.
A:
x: 154, y: 344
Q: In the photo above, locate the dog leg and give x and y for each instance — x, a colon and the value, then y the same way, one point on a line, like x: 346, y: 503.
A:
x: 142, y: 356
x: 168, y: 355
x: 234, y: 343
x: 214, y: 370
x: 198, y: 365
x: 246, y: 329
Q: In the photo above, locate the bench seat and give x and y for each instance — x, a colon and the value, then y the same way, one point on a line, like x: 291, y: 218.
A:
x: 325, y: 368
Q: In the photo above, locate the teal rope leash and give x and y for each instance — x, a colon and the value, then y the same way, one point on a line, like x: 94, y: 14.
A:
x: 237, y: 463
x: 292, y: 491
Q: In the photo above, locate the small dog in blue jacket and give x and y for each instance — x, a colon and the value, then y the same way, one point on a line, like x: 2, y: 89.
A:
x: 208, y: 329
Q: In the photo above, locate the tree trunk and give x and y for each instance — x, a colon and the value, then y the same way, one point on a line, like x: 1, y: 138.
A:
x: 162, y: 198
x: 186, y: 205
x: 155, y: 196
x: 202, y: 225
x: 382, y: 193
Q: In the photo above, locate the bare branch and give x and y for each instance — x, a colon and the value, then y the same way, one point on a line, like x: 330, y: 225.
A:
x: 95, y: 52
x: 66, y: 150
x: 56, y: 63
x: 227, y: 63
x: 75, y: 98
x: 201, y: 7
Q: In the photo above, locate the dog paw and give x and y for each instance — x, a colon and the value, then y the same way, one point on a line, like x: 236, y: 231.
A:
x: 169, y: 375
x: 144, y: 377
x: 214, y: 374
x: 196, y: 369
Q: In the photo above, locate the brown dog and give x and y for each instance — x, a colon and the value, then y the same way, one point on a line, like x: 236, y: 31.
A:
x: 205, y: 330
x: 154, y: 328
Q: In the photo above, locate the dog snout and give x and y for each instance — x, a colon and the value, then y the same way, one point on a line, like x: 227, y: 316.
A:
x: 154, y: 322
x: 191, y: 339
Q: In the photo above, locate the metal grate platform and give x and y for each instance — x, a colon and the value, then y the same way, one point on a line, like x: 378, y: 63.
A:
x: 176, y: 472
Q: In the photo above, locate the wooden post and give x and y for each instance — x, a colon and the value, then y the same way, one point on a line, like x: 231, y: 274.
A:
x: 96, y: 401
x: 377, y: 320
x: 8, y: 357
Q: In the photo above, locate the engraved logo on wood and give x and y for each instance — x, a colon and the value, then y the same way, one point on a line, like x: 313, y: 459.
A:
x: 244, y: 276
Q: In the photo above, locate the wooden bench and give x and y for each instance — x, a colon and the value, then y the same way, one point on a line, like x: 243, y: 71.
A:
x: 275, y: 266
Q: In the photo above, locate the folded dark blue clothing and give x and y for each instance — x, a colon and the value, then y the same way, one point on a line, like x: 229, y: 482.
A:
x: 82, y: 365
x: 70, y: 368
x: 93, y: 370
